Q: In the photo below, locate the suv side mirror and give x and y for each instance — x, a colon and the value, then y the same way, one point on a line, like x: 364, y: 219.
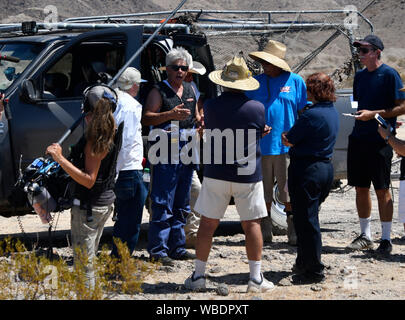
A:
x: 28, y: 91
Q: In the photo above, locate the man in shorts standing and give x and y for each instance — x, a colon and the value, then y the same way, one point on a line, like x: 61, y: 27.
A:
x: 376, y: 90
x: 234, y: 113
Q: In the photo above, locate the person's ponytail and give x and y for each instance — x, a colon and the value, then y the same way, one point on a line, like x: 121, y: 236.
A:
x: 101, y: 129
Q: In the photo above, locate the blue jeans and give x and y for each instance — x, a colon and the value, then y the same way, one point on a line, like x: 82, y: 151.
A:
x: 130, y: 194
x: 170, y: 196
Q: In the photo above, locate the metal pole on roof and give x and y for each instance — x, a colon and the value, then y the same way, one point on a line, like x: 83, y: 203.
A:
x: 136, y: 54
x: 77, y: 122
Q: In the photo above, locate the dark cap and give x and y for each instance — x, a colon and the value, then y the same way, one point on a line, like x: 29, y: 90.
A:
x: 370, y: 40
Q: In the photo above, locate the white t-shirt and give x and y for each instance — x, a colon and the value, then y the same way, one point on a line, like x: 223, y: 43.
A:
x: 129, y: 110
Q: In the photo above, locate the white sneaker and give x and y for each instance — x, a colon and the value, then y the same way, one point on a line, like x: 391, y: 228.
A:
x: 195, y: 284
x: 263, y: 286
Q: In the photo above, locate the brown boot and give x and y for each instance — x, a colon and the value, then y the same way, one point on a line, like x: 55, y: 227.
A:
x: 267, y: 229
x: 292, y: 236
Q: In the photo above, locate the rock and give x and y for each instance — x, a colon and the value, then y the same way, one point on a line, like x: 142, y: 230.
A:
x: 215, y: 270
x: 222, y: 289
x: 286, y: 282
x: 316, y: 288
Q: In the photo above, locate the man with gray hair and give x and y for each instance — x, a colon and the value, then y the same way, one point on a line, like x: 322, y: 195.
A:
x: 129, y: 189
x: 170, y: 107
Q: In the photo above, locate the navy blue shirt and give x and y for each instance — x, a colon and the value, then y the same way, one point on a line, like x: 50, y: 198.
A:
x: 374, y: 91
x: 314, y: 133
x: 233, y: 114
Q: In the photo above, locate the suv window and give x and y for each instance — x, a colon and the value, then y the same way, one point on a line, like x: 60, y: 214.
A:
x: 10, y: 71
x: 84, y: 65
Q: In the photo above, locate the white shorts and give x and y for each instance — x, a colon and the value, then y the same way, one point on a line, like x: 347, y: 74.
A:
x: 215, y: 195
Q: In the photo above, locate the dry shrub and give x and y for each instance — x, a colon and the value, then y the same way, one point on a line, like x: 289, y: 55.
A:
x: 28, y: 275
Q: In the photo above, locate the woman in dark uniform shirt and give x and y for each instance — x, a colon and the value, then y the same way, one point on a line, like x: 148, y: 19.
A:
x: 310, y: 174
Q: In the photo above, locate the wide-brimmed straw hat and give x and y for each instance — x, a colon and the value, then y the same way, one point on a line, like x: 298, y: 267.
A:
x: 235, y: 75
x: 274, y: 53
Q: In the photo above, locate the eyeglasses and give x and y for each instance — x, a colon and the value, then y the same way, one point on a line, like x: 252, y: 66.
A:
x: 365, y: 50
x: 177, y: 68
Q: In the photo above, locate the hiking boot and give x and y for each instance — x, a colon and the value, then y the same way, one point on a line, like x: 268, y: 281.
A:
x: 297, y: 269
x: 165, y: 261
x: 361, y: 243
x: 186, y: 256
x: 292, y: 236
x: 385, y: 247
x: 267, y: 229
x: 262, y: 286
x: 195, y: 284
x: 308, y: 278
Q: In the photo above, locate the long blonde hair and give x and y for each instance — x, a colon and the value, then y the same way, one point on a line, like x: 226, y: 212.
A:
x: 101, y: 129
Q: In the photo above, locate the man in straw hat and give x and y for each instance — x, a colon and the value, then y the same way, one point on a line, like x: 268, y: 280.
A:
x: 376, y: 90
x: 283, y: 94
x: 232, y: 110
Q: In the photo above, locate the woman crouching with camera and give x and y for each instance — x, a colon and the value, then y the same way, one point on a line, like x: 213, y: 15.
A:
x: 310, y: 174
x: 92, y: 167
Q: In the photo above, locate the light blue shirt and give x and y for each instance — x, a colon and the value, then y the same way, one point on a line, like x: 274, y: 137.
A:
x: 282, y: 97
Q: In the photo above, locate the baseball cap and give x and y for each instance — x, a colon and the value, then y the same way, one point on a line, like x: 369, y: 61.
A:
x: 128, y: 78
x: 95, y: 93
x: 370, y: 39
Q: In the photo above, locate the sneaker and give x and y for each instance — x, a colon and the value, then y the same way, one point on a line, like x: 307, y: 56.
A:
x: 262, y: 286
x: 385, y: 247
x: 267, y: 229
x: 195, y: 284
x: 292, y: 236
x: 361, y: 243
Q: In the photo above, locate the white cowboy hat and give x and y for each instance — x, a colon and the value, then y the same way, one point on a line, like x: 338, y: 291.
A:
x: 273, y: 53
x: 235, y: 75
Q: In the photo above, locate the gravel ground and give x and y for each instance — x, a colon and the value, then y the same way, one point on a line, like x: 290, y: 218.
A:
x: 349, y: 275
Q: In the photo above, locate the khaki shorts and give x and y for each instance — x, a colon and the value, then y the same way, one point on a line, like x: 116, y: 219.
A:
x: 275, y: 168
x: 215, y: 195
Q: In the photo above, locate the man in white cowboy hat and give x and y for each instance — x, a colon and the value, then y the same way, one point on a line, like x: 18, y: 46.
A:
x: 130, y: 190
x: 283, y: 94
x: 376, y: 90
x: 232, y: 110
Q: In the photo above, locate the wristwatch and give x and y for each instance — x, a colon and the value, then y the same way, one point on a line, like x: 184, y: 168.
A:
x: 387, y: 137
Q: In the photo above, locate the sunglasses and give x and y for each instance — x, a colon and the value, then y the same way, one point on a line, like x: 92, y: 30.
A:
x: 364, y: 50
x: 177, y: 68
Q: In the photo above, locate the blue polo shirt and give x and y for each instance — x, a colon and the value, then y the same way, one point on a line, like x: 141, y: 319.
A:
x: 314, y: 133
x: 282, y: 97
x: 374, y: 91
